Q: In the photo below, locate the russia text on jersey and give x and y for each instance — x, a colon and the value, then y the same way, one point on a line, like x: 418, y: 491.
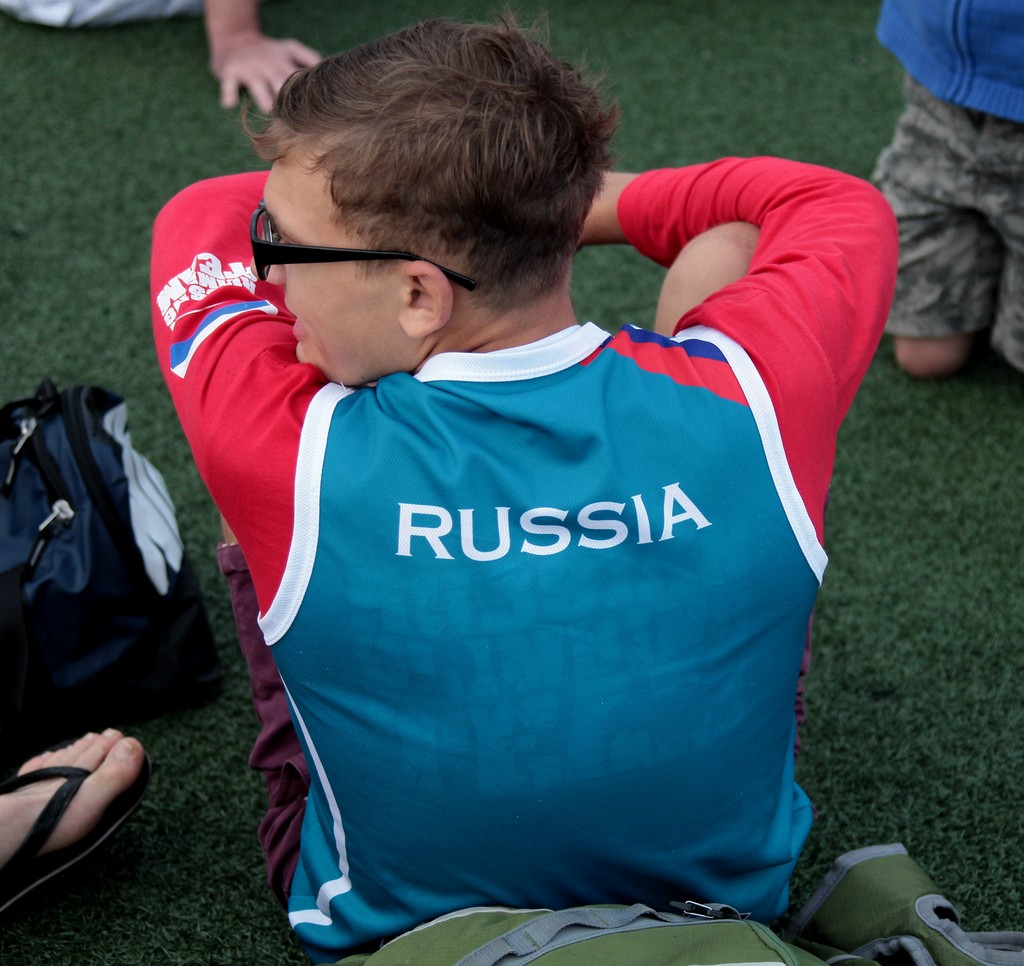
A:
x: 423, y: 528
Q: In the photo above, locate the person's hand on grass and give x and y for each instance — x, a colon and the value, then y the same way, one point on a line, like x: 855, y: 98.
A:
x: 260, y: 64
x: 242, y: 56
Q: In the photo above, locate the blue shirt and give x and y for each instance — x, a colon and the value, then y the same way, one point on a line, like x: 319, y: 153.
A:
x: 967, y: 52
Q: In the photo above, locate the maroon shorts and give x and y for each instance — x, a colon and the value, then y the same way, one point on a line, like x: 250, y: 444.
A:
x: 277, y: 752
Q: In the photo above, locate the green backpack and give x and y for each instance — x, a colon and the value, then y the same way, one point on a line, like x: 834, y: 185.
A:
x: 875, y: 906
x: 712, y: 935
x: 876, y: 903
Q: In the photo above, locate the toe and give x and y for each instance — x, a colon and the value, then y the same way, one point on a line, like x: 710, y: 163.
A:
x: 87, y: 752
x: 114, y: 774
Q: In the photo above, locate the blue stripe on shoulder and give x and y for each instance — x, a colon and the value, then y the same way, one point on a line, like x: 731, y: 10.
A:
x: 182, y: 352
x: 698, y: 348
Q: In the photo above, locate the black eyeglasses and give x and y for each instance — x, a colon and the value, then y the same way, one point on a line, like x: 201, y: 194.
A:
x: 268, y: 250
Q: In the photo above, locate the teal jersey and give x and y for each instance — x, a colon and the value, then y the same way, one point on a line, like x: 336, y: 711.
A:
x: 540, y: 627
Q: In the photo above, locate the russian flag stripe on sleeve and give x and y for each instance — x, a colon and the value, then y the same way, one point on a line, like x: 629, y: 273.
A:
x: 182, y: 352
x: 690, y: 362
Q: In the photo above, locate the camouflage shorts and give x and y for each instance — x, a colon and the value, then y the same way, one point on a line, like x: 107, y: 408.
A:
x: 955, y: 179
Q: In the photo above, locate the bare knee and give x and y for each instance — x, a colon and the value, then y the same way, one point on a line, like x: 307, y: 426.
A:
x: 933, y: 358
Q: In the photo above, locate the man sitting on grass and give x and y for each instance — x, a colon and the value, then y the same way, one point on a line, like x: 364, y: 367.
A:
x: 537, y: 595
x: 532, y: 598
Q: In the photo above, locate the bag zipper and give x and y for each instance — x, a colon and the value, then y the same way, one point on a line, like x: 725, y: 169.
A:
x: 61, y: 511
x: 60, y: 516
x: 26, y: 427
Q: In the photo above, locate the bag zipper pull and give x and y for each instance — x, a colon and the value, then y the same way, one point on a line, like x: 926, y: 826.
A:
x: 27, y: 427
x: 60, y: 516
x: 709, y: 910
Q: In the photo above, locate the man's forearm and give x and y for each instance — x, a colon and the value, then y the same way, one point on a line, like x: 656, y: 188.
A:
x: 602, y: 225
x: 709, y: 262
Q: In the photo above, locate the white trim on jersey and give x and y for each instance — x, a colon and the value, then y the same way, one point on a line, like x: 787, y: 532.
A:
x: 771, y: 439
x: 321, y: 916
x: 306, y: 525
x: 541, y: 358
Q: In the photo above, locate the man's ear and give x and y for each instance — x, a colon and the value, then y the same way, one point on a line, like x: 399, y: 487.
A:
x: 427, y: 299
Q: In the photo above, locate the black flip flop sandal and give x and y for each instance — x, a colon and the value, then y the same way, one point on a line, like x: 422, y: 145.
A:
x: 26, y: 869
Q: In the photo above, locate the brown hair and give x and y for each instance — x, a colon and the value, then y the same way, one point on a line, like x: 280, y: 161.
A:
x: 470, y: 144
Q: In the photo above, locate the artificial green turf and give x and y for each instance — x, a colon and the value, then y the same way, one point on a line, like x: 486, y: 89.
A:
x: 915, y: 727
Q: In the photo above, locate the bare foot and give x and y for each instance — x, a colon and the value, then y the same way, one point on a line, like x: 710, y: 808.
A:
x: 115, y: 762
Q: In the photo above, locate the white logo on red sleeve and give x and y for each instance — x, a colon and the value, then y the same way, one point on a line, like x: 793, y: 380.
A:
x: 207, y: 274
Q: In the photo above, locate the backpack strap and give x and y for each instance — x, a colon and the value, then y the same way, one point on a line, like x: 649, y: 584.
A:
x: 562, y: 928
x: 14, y: 636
